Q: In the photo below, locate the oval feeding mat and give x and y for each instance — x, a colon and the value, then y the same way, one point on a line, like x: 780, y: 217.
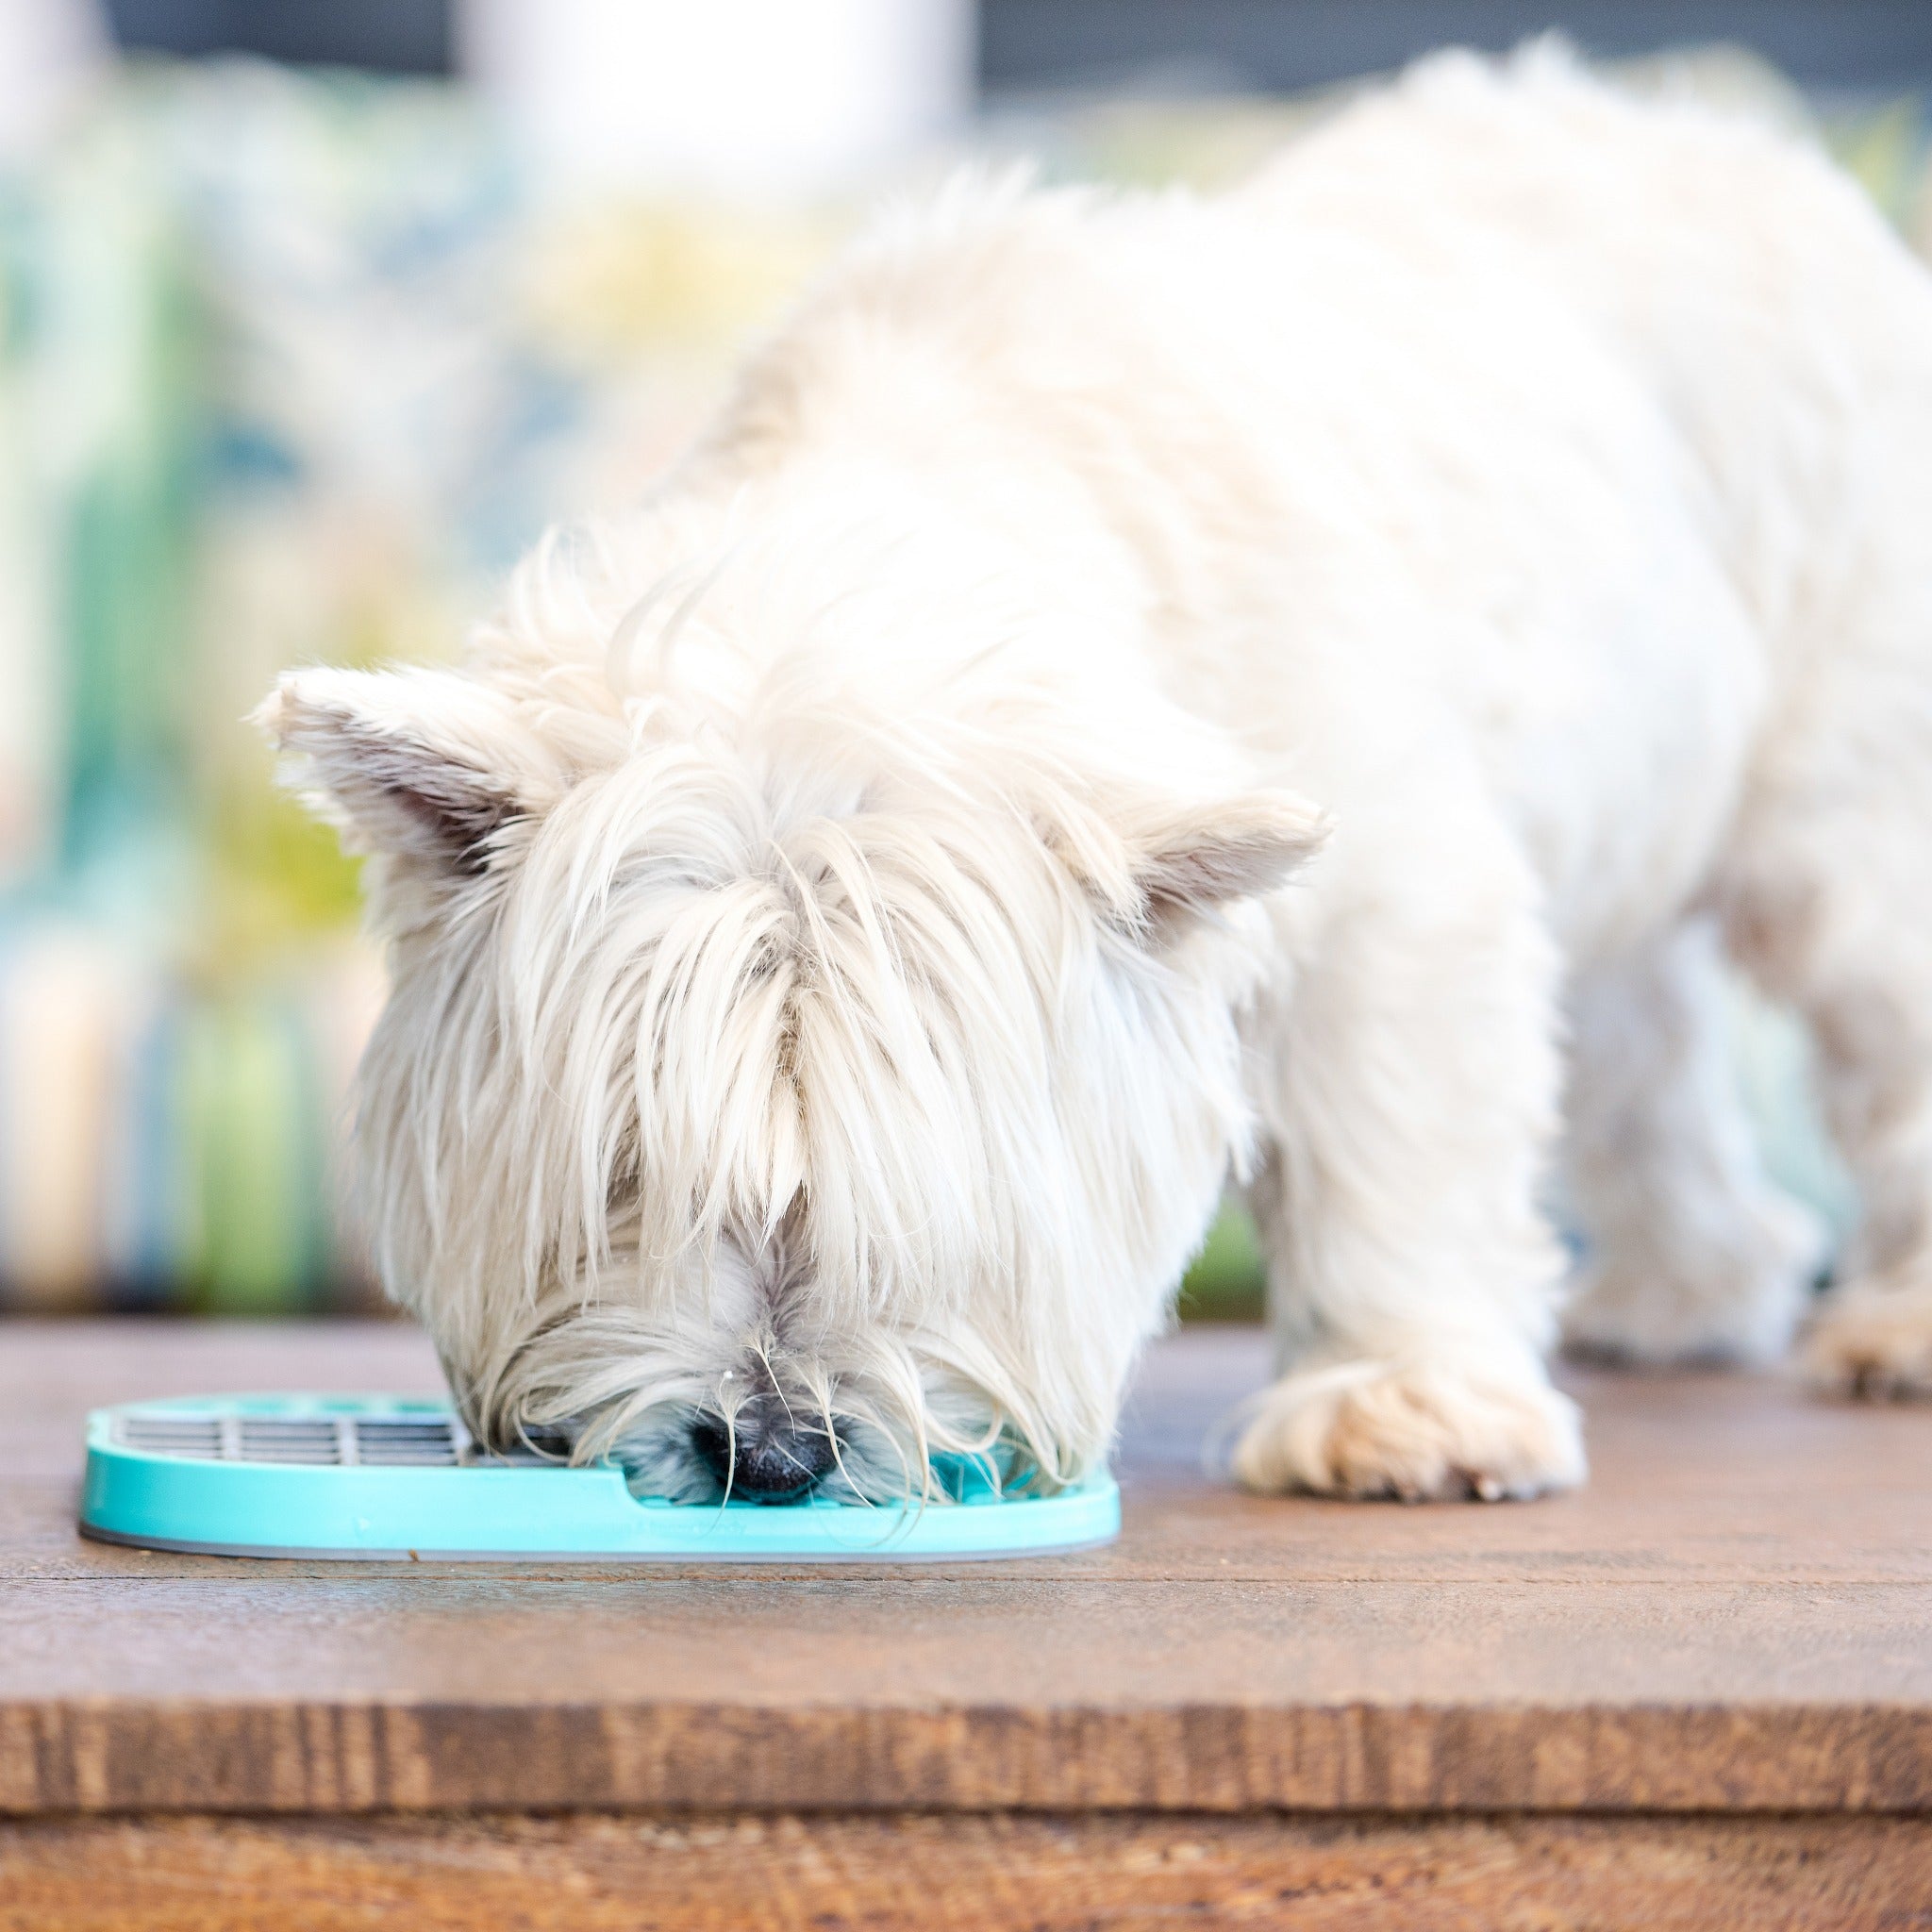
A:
x: 388, y: 1476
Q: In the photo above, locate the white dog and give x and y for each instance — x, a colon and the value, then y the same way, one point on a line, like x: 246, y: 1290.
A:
x: 1132, y: 689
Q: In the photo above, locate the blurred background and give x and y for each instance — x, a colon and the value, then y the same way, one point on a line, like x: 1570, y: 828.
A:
x: 312, y: 312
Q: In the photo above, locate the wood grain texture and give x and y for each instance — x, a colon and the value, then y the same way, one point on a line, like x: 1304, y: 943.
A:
x: 926, y: 1874
x: 1736, y: 1615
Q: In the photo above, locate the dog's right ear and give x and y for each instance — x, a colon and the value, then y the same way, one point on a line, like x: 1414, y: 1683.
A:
x: 419, y: 763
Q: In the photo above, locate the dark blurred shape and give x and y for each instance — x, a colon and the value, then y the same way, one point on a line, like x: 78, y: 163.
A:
x: 387, y: 35
x: 1270, y: 47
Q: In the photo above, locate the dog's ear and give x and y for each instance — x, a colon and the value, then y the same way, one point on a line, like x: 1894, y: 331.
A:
x: 1165, y: 862
x: 421, y: 763
x: 1190, y: 859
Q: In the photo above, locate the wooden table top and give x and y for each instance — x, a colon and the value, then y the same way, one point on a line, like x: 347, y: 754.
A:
x: 1735, y: 1615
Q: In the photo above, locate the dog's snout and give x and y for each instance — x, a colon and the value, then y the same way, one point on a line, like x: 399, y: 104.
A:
x: 765, y: 1451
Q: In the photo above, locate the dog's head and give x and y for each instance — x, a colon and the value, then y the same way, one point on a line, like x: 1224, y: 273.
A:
x: 797, y: 1064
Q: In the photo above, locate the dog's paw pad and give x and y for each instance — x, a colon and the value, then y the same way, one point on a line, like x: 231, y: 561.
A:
x: 1369, y: 1429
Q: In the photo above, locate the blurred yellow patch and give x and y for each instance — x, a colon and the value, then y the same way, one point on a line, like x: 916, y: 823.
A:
x: 604, y: 283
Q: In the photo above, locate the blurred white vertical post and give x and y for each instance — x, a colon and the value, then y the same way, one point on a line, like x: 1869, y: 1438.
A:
x: 740, y: 97
x: 50, y: 50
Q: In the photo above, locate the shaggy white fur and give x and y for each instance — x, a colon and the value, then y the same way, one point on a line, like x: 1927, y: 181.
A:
x: 1135, y: 687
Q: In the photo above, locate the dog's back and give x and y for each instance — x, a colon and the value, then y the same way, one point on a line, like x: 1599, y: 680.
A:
x: 1780, y: 325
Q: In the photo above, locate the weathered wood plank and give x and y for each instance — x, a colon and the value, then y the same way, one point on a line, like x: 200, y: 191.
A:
x: 1735, y: 1614
x: 763, y: 1693
x: 926, y: 1874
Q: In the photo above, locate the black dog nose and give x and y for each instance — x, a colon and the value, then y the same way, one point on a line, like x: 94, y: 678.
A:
x: 766, y: 1453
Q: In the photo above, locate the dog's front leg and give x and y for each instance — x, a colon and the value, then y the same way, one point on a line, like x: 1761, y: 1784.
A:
x: 1410, y: 1093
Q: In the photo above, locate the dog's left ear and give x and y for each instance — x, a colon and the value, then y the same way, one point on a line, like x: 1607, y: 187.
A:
x: 1199, y: 858
x: 1168, y: 861
x: 420, y: 763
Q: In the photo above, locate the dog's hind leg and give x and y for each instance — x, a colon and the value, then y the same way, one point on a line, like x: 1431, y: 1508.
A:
x: 1830, y: 907
x: 1827, y: 890
x: 1694, y: 1253
x: 1408, y: 1093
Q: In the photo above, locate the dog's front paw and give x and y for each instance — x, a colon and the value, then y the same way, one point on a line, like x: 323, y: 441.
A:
x: 1874, y: 1339
x: 1369, y: 1428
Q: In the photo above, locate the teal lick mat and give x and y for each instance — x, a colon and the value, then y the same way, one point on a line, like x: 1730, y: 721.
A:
x: 384, y: 1476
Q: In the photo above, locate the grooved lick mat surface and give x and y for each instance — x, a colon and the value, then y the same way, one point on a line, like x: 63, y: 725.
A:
x: 1735, y: 1614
